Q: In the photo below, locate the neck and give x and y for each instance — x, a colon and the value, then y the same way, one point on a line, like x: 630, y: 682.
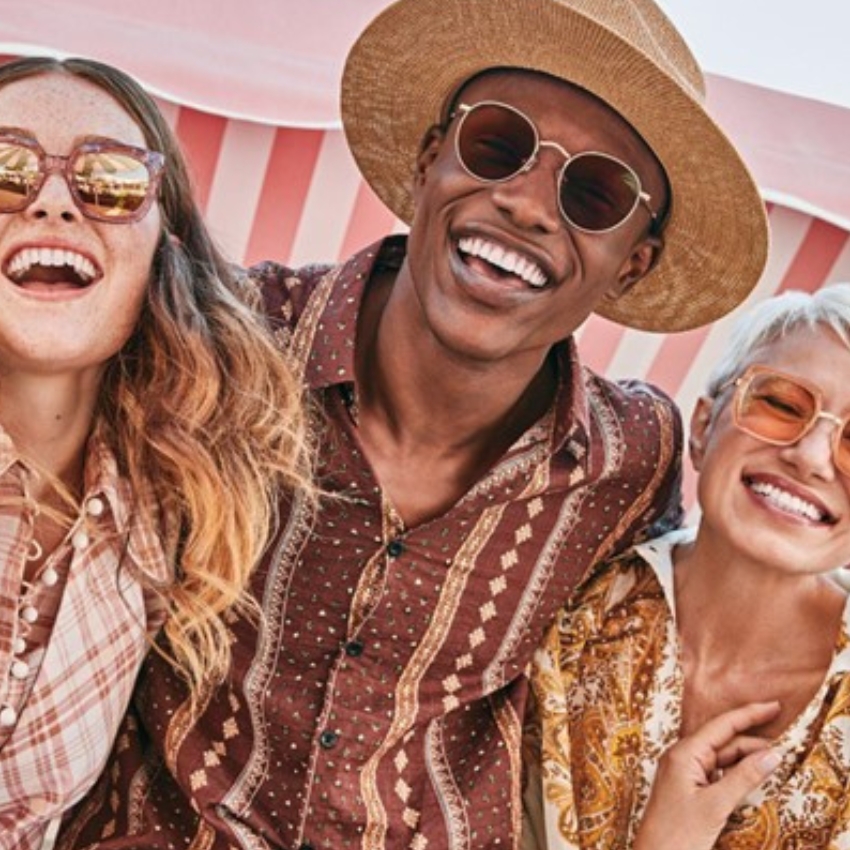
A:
x: 431, y: 396
x: 49, y: 419
x: 733, y: 612
x: 431, y: 417
x: 749, y: 633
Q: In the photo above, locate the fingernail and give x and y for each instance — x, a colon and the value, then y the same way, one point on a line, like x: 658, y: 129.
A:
x: 769, y: 761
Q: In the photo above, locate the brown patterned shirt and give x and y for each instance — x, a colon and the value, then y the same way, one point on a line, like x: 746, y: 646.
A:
x: 379, y: 703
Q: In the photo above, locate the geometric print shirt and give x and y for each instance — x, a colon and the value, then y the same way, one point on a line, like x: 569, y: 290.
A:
x: 378, y: 702
x: 71, y: 640
x: 608, y: 689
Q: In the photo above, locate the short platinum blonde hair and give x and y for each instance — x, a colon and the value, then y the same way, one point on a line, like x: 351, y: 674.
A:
x: 774, y: 318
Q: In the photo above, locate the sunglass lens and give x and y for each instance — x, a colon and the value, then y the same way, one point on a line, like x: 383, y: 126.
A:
x: 111, y: 184
x: 494, y: 142
x: 19, y: 175
x: 776, y: 408
x: 598, y: 192
x: 842, y: 453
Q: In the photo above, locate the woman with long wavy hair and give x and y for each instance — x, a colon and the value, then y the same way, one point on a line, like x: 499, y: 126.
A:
x: 148, y: 423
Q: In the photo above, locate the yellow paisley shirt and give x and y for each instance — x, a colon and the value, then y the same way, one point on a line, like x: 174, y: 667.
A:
x: 608, y: 689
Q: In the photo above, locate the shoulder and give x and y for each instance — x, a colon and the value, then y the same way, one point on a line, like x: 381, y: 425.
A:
x: 631, y: 396
x: 604, y: 609
x: 610, y: 584
x: 637, y: 421
x: 284, y: 291
x: 634, y: 425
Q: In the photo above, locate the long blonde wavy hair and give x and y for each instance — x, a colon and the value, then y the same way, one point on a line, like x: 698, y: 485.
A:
x: 199, y: 405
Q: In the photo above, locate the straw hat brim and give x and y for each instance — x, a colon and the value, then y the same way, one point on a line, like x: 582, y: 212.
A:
x: 417, y: 52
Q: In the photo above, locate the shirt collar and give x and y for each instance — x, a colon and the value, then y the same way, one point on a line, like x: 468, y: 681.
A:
x: 331, y: 359
x: 658, y: 553
x: 136, y: 515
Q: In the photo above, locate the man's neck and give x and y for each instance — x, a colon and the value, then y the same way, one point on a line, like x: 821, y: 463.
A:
x: 429, y: 419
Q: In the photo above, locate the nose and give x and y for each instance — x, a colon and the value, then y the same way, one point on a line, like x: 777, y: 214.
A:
x: 54, y: 200
x: 530, y: 199
x: 813, y: 454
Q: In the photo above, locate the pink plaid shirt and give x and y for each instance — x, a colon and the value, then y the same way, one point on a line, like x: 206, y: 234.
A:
x: 71, y: 641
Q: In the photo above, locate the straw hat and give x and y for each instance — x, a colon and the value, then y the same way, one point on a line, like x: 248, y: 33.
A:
x: 416, y: 53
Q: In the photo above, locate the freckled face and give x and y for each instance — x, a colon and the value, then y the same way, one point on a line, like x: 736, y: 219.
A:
x: 555, y: 276
x: 75, y: 312
x: 786, y: 506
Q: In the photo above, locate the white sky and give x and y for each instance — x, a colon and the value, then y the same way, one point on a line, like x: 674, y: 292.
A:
x: 799, y: 47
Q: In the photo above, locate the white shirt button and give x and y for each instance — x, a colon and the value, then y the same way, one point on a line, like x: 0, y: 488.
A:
x: 80, y: 540
x: 95, y: 506
x: 20, y: 669
x: 8, y: 716
x: 29, y: 614
x: 19, y: 646
x: 49, y: 577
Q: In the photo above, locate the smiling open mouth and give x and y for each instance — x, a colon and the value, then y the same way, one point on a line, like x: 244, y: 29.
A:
x: 503, y: 260
x: 789, y: 503
x: 50, y: 266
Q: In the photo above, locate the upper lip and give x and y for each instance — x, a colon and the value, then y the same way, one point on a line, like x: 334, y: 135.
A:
x: 502, y: 253
x: 21, y: 260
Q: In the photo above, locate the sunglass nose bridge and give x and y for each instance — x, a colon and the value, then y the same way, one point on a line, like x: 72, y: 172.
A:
x: 555, y: 146
x: 833, y: 420
x: 54, y: 167
x: 52, y: 187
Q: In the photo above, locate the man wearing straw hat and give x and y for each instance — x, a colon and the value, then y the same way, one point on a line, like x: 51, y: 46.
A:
x: 553, y: 158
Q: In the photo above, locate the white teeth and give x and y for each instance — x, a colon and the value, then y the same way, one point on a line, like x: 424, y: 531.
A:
x: 786, y: 501
x: 502, y: 258
x: 24, y: 260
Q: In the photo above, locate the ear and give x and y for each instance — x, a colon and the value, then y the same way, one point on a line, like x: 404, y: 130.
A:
x: 429, y: 148
x: 640, y: 262
x: 699, y: 431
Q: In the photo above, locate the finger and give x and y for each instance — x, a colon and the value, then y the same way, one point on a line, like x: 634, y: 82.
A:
x: 744, y: 777
x: 718, y: 731
x: 697, y: 753
x: 738, y: 748
x: 717, y: 734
